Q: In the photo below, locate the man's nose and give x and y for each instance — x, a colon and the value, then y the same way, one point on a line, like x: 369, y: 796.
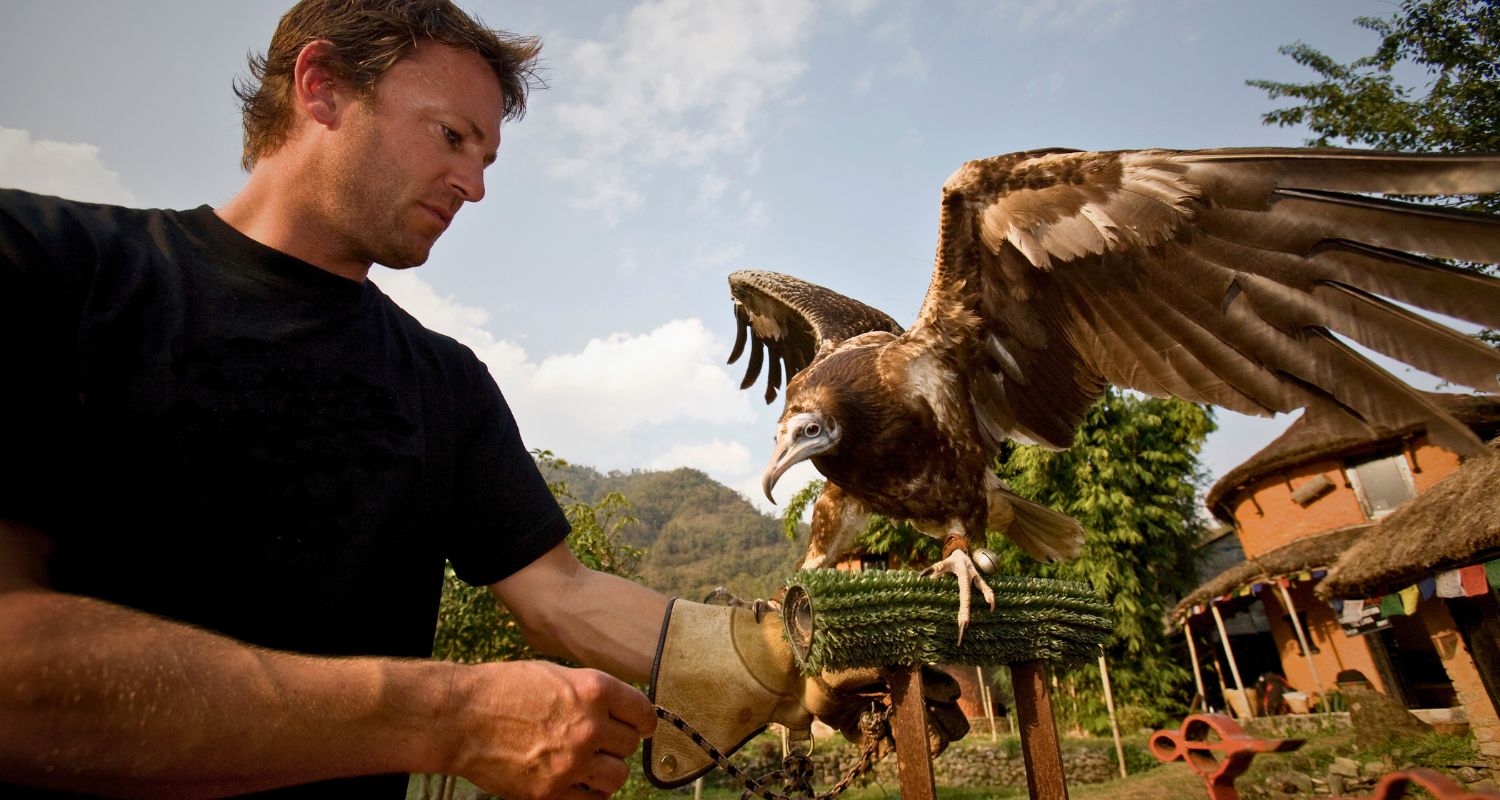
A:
x: 468, y: 181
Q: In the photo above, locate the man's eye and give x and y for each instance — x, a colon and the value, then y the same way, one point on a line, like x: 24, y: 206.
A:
x: 451, y: 135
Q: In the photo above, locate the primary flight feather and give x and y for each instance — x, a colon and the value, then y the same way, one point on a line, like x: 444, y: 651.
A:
x: 1216, y: 276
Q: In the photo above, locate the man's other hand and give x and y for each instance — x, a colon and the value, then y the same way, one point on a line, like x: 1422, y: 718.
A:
x: 533, y: 729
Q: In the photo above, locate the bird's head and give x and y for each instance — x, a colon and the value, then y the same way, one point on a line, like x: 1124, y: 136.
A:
x: 801, y: 435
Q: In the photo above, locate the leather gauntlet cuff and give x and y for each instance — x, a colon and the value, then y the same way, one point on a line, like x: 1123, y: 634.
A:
x: 727, y: 675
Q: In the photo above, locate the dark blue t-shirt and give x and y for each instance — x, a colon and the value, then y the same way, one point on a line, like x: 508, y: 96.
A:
x: 213, y: 431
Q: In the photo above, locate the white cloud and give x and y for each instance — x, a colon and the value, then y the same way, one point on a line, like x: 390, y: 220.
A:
x: 65, y: 169
x: 1091, y: 17
x: 717, y: 457
x: 677, y: 83
x: 712, y: 187
x: 588, y: 404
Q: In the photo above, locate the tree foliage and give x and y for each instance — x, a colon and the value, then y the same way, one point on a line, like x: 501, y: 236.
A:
x: 1131, y: 479
x: 473, y: 627
x: 1453, y: 44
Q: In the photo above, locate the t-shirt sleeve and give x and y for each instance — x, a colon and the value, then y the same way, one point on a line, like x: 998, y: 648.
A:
x: 507, y: 517
x: 47, y: 253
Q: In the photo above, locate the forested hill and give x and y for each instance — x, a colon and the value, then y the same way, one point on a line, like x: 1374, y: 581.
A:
x: 698, y: 533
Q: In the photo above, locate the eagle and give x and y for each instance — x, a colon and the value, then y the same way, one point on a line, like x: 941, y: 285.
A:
x: 1231, y: 277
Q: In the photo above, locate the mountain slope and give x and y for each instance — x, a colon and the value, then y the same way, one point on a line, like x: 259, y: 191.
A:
x: 698, y: 533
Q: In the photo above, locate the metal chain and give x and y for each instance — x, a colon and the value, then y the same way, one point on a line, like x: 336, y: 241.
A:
x: 796, y: 770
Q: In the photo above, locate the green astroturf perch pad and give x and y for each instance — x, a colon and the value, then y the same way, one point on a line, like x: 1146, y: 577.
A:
x: 842, y: 620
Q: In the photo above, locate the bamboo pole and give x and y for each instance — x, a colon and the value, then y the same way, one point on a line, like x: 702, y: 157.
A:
x: 1234, y: 667
x: 987, y: 699
x: 1109, y: 703
x: 1305, y: 641
x: 1187, y: 631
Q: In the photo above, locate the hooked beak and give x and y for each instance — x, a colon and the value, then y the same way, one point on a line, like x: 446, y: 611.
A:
x: 788, y: 451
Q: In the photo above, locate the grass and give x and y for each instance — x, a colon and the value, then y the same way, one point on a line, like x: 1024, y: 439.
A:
x: 1161, y: 782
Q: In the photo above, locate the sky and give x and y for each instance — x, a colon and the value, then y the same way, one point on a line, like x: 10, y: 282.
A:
x: 677, y: 141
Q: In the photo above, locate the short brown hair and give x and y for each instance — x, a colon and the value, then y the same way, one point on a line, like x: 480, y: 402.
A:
x: 369, y: 37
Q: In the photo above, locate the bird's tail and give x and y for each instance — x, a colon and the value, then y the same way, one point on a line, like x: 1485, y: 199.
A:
x: 1044, y: 534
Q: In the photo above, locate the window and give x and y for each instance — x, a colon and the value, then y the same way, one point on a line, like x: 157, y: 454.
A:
x: 1381, y: 483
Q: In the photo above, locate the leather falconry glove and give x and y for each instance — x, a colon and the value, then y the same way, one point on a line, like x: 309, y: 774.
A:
x: 728, y: 672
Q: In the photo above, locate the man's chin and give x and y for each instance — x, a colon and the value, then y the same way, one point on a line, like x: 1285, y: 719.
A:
x: 407, y: 259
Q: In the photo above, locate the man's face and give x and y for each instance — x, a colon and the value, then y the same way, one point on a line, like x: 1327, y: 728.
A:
x: 411, y: 156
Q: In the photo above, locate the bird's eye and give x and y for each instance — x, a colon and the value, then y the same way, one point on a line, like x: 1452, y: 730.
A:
x: 812, y: 429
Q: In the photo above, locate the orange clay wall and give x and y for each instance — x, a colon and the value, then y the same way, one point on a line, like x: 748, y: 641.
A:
x: 1272, y: 519
x: 1337, y: 652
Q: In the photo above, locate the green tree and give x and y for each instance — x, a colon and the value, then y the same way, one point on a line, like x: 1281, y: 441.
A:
x: 473, y: 627
x: 1453, y: 44
x: 1131, y: 479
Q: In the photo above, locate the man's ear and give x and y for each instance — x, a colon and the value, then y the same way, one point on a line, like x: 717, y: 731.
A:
x: 316, y: 89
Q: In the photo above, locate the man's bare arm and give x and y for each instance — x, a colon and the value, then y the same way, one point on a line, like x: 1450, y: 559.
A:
x: 566, y: 609
x: 99, y: 698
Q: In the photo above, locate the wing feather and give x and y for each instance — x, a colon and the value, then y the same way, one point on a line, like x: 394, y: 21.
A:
x: 1216, y: 276
x: 786, y: 322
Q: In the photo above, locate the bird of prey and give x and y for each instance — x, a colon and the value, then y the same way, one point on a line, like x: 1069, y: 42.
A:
x: 1216, y: 276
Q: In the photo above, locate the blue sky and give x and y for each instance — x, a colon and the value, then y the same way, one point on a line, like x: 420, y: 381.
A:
x: 679, y: 140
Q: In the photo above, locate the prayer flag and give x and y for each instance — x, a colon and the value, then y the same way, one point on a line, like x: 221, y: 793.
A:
x: 1492, y: 571
x: 1471, y: 580
x: 1448, y: 584
x: 1427, y: 586
x: 1353, y: 609
x: 1409, y: 597
x: 1390, y: 606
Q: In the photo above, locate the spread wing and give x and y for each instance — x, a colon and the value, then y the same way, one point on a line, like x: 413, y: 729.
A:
x: 793, y: 320
x: 1215, y: 276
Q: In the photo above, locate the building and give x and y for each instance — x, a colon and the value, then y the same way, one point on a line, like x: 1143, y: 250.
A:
x: 1453, y: 529
x: 1296, y: 509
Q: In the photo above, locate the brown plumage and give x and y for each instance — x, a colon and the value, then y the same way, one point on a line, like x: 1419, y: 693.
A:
x: 1215, y: 276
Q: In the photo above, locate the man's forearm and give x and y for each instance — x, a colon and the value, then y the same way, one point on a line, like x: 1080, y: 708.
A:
x: 602, y: 620
x: 95, y: 697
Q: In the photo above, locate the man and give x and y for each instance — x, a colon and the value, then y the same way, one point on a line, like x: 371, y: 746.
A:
x: 223, y: 434
x: 234, y: 470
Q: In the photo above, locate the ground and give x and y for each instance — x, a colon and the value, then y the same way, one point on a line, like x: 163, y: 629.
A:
x: 1270, y: 776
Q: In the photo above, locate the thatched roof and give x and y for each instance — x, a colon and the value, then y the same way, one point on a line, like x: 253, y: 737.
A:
x: 1309, y: 552
x: 1322, y: 432
x: 1456, y: 522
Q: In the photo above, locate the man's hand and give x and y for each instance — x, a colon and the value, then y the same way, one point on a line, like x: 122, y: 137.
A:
x: 537, y: 730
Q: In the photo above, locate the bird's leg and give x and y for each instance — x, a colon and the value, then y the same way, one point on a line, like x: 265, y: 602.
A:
x: 960, y: 565
x: 837, y: 519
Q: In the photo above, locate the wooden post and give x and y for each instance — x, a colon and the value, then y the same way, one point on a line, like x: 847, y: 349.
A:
x: 1187, y: 631
x: 1109, y: 703
x: 1234, y: 667
x: 1305, y: 641
x: 909, y: 728
x: 1044, y: 767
